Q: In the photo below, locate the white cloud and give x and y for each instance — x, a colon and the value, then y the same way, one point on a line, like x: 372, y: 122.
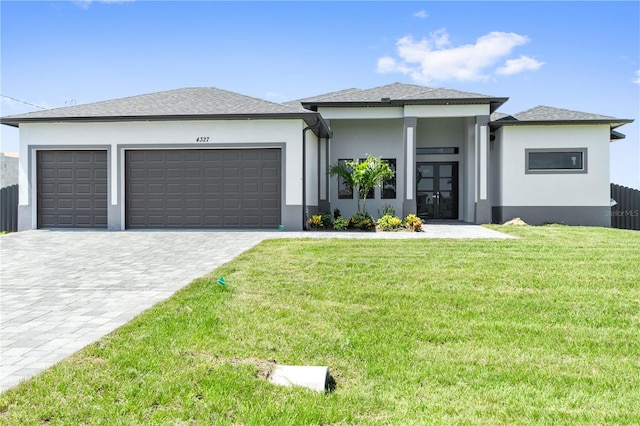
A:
x: 637, y: 79
x: 421, y: 14
x: 516, y: 66
x: 86, y: 3
x: 435, y: 58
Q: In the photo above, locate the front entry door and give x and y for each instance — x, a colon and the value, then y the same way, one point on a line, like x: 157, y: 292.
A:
x: 437, y: 190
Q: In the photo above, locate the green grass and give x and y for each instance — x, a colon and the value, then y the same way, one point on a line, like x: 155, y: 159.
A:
x: 543, y: 329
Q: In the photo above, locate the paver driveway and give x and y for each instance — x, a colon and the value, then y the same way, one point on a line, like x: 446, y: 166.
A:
x: 62, y: 290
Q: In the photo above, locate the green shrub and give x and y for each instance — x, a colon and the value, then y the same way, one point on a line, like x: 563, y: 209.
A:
x: 388, y: 210
x: 315, y: 222
x: 341, y: 223
x: 336, y: 213
x: 361, y: 221
x: 389, y: 223
x: 322, y: 220
x: 327, y: 220
x: 413, y: 223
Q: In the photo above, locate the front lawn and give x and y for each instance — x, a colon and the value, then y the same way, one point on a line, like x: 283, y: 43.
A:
x: 544, y: 329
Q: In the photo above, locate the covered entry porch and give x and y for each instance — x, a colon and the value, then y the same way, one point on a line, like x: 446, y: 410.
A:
x: 451, y: 168
x: 441, y: 164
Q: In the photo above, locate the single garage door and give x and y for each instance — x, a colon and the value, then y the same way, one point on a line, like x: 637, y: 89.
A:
x: 72, y: 189
x: 230, y: 188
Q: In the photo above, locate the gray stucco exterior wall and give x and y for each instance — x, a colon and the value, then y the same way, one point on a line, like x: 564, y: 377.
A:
x: 291, y: 217
x: 566, y: 215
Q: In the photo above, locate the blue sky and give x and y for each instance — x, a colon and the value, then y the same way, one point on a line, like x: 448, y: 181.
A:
x: 576, y: 55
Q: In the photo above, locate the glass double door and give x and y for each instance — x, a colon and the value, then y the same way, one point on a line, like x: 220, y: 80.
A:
x: 437, y: 190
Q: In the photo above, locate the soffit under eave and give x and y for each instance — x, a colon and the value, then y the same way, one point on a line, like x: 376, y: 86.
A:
x: 494, y: 103
x: 616, y: 136
x: 514, y: 122
x: 311, y: 119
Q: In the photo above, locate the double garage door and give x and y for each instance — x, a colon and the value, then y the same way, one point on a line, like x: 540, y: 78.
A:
x: 231, y: 188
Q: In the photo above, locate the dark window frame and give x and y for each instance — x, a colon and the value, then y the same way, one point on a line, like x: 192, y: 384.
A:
x: 583, y: 152
x: 342, y: 184
x: 389, y: 184
x: 439, y: 150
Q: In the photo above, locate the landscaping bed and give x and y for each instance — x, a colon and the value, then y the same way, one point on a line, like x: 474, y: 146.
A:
x: 363, y: 222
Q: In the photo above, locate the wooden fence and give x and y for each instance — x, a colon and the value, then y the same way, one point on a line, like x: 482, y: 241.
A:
x: 9, y: 209
x: 625, y: 214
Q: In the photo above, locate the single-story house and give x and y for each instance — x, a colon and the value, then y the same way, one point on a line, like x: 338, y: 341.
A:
x: 210, y: 158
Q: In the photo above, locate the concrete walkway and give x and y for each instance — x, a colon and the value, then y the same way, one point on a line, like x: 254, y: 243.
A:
x: 62, y: 290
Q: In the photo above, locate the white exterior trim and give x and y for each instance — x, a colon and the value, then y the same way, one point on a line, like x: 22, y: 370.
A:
x: 483, y: 163
x: 323, y: 169
x: 360, y: 112
x: 434, y: 111
x: 410, y: 164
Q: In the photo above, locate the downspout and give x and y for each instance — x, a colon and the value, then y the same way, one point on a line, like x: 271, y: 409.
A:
x: 304, y: 172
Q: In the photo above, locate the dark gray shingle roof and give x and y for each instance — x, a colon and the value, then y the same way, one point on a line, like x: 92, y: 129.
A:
x: 501, y: 116
x: 550, y: 115
x: 194, y: 101
x: 547, y: 113
x: 398, y: 94
x: 395, y: 91
x: 323, y: 98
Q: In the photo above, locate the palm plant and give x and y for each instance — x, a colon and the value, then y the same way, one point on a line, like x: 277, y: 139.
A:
x: 363, y: 176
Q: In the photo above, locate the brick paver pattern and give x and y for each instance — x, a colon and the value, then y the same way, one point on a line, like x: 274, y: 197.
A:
x: 62, y: 290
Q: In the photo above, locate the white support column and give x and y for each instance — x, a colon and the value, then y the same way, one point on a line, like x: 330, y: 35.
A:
x: 115, y: 207
x: 322, y: 169
x: 324, y: 205
x: 324, y: 159
x: 409, y: 201
x: 483, y: 202
x: 482, y: 166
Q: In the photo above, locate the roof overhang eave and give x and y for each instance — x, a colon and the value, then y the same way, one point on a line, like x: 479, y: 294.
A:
x: 10, y: 123
x: 613, y: 123
x: 319, y: 126
x: 616, y: 136
x: 311, y: 118
x: 494, y: 103
x: 497, y: 103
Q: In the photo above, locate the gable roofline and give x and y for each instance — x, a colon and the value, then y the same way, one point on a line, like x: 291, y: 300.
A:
x: 398, y: 94
x: 494, y: 103
x: 549, y: 116
x: 196, y: 103
x: 311, y: 118
x: 546, y: 115
x: 326, y: 96
x: 613, y: 123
